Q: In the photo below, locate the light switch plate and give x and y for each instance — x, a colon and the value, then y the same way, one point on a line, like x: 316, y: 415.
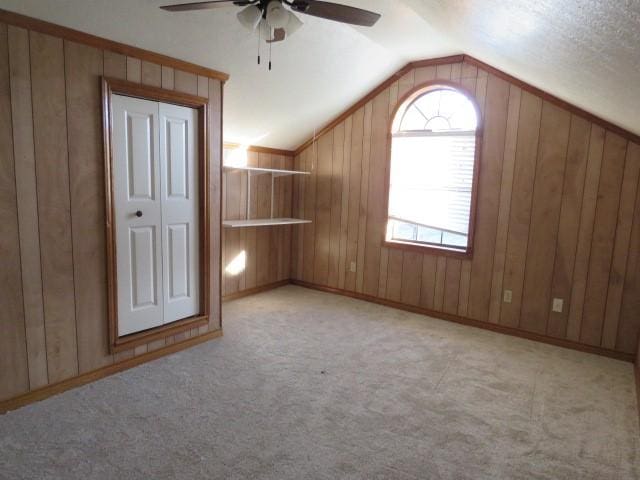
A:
x: 558, y: 303
x: 353, y: 266
x: 507, y: 296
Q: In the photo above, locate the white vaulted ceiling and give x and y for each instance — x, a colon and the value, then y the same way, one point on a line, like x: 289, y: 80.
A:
x: 584, y: 51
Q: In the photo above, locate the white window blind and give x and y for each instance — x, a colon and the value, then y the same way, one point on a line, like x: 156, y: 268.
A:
x: 431, y: 179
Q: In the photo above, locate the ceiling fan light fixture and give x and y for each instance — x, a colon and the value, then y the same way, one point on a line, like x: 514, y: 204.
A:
x: 250, y: 17
x: 277, y: 14
x: 293, y: 25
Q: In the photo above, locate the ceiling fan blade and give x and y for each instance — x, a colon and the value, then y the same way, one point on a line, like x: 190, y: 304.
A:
x: 185, y: 7
x: 336, y: 12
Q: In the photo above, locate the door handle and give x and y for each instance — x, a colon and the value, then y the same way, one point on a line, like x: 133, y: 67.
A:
x: 139, y: 213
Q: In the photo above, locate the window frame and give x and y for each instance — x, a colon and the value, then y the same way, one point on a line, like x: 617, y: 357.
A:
x: 398, y: 111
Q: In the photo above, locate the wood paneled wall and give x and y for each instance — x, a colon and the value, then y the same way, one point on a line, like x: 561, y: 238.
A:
x: 267, y: 250
x: 558, y: 216
x: 53, y: 321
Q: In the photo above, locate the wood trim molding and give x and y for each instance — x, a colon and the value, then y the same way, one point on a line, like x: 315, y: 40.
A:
x: 627, y: 357
x: 255, y: 290
x: 499, y: 73
x: 146, y: 336
x: 405, y: 102
x: 55, y: 388
x: 112, y: 86
x: 259, y: 149
x: 70, y: 34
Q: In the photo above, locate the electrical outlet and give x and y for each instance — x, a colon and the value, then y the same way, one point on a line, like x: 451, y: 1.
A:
x: 353, y: 266
x: 557, y: 305
x: 507, y: 296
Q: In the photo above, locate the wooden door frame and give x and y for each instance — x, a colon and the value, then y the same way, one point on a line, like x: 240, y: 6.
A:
x: 111, y: 86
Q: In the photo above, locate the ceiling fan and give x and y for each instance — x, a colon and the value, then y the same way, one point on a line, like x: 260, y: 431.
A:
x: 275, y: 19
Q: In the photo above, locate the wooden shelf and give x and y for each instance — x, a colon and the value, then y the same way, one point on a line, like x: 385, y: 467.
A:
x: 262, y: 222
x: 260, y: 171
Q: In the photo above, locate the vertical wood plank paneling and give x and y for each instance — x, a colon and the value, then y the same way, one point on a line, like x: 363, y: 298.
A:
x: 151, y: 74
x: 14, y: 373
x: 519, y: 216
x: 629, y: 327
x: 114, y: 65
x: 572, y: 190
x: 465, y: 284
x: 344, y: 203
x: 298, y: 204
x: 323, y: 209
x: 394, y: 275
x: 583, y: 249
x: 185, y: 82
x: 134, y: 70
x: 545, y: 213
x: 603, y: 238
x: 452, y: 286
x: 263, y: 193
x: 168, y: 78
x: 364, y: 195
x: 406, y: 83
x: 310, y: 214
x: 215, y: 149
x: 52, y: 167
x: 495, y: 123
x: 508, y: 162
x: 274, y: 232
x: 336, y: 205
x: 376, y: 219
x: 83, y: 69
x: 428, y: 282
x: 536, y: 219
x: 287, y: 211
x: 251, y: 278
x: 622, y: 246
x: 355, y: 177
x: 382, y: 276
x: 441, y: 274
x: 411, y: 278
x: 25, y: 173
x: 424, y: 74
x: 51, y: 96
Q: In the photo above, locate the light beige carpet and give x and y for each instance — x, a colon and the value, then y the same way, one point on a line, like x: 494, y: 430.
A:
x: 308, y: 385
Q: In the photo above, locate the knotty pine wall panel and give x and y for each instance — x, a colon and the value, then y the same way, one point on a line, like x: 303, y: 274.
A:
x: 558, y: 215
x: 267, y: 251
x: 52, y: 242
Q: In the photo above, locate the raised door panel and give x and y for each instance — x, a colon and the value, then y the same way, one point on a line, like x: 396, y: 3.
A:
x: 180, y: 226
x: 137, y: 213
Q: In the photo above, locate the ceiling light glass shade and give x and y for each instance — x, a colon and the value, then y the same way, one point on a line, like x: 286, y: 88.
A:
x: 277, y: 15
x: 293, y: 25
x: 250, y: 17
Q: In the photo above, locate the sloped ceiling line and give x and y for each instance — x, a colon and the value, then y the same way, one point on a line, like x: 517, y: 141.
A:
x: 480, y: 64
x: 73, y: 35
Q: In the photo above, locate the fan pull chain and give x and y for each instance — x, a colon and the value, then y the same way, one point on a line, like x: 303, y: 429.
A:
x: 259, y: 39
x: 271, y: 43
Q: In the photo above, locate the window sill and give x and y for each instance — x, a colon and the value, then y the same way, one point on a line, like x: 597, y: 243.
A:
x: 428, y: 249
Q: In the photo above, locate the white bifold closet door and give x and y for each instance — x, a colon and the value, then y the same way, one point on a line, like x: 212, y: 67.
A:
x: 155, y: 175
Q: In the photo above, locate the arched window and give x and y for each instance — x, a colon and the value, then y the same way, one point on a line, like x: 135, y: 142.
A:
x: 432, y: 176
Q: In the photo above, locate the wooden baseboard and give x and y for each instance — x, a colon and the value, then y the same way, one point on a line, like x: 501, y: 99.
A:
x: 627, y: 357
x: 55, y: 388
x: 253, y: 291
